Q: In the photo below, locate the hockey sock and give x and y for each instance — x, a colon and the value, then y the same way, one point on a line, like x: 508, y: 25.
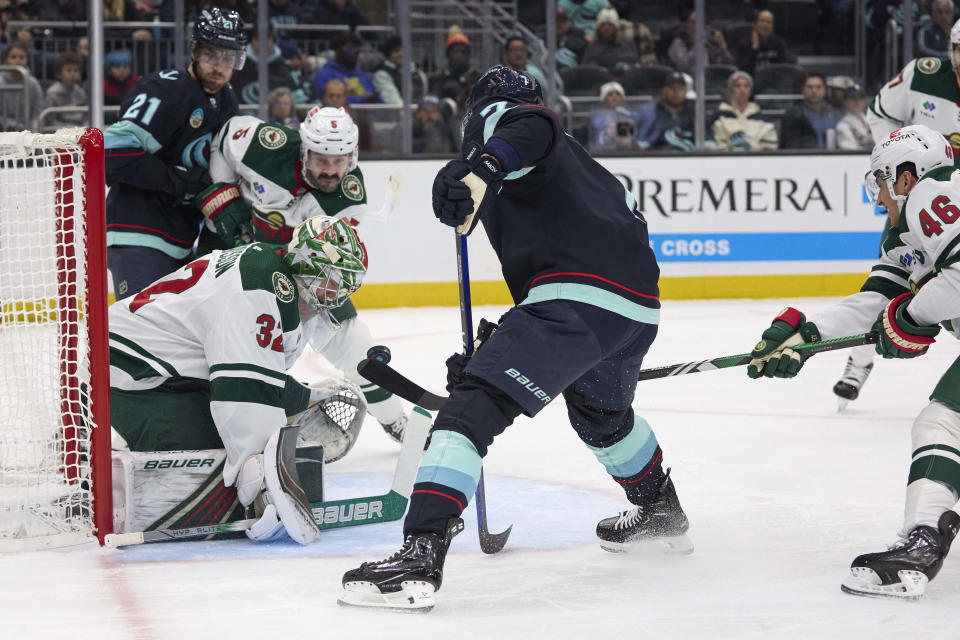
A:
x: 447, y: 478
x: 634, y: 461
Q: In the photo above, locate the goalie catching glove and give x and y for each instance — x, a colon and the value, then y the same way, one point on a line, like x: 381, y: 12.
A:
x: 333, y: 418
x: 900, y: 336
x: 269, y: 482
x: 774, y: 356
x: 463, y: 187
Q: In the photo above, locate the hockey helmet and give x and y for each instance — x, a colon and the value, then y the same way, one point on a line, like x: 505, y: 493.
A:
x: 918, y: 144
x: 223, y: 29
x: 502, y: 82
x: 954, y: 43
x: 328, y: 260
x: 329, y: 131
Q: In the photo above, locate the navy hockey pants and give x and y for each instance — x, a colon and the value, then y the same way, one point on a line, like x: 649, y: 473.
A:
x: 540, y: 350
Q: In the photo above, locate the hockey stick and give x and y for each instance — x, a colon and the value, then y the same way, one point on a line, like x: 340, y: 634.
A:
x: 489, y: 542
x: 333, y: 514
x: 383, y: 375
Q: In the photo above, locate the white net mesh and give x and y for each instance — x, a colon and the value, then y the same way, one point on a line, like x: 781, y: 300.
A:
x: 45, y: 427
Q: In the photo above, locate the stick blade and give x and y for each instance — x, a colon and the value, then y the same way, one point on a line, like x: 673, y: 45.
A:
x: 491, y: 543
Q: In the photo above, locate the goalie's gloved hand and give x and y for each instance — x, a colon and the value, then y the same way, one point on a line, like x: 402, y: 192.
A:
x: 223, y: 206
x: 773, y: 356
x: 900, y: 335
x: 457, y: 363
x: 187, y: 183
x: 463, y: 188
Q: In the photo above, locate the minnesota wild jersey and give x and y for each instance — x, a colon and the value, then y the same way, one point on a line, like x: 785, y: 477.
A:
x: 230, y: 318
x: 263, y: 161
x: 925, y: 92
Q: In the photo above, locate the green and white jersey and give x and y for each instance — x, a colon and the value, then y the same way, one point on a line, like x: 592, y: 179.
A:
x: 925, y: 92
x: 231, y: 318
x: 263, y: 160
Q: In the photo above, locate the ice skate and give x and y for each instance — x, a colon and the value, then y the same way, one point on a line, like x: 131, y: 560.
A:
x: 658, y: 524
x: 904, y: 570
x: 848, y: 386
x: 406, y: 580
x: 395, y: 428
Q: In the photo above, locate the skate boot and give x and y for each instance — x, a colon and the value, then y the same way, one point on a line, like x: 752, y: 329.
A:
x: 904, y: 570
x: 659, y: 523
x: 395, y: 428
x: 407, y: 579
x: 848, y: 386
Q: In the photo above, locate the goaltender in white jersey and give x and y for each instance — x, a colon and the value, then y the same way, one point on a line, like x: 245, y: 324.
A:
x: 269, y: 178
x: 198, y: 365
x: 926, y: 92
x: 912, y: 175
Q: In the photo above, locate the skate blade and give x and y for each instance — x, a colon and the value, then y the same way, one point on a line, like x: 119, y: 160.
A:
x: 413, y: 596
x: 667, y: 545
x: 842, y: 404
x: 863, y: 581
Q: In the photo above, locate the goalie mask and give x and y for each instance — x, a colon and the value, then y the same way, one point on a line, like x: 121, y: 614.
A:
x: 328, y: 261
x: 917, y: 144
x: 328, y: 147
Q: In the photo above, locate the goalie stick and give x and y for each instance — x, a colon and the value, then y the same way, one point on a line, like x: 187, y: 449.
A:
x: 383, y: 375
x: 489, y: 542
x: 331, y: 514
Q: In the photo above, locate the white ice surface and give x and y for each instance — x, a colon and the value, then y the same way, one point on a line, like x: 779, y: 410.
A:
x: 781, y: 490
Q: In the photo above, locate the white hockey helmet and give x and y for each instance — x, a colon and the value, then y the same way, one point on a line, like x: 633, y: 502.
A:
x: 918, y: 144
x: 954, y: 43
x: 330, y: 131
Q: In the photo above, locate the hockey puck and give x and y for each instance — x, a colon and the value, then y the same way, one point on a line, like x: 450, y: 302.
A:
x: 380, y: 353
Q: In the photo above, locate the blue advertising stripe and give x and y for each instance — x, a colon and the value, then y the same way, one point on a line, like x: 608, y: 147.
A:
x: 772, y: 247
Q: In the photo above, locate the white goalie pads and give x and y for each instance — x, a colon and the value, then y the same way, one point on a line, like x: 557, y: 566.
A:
x: 333, y: 418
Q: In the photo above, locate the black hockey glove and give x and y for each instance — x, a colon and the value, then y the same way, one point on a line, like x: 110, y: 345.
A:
x: 457, y: 363
x: 463, y: 188
x: 188, y: 182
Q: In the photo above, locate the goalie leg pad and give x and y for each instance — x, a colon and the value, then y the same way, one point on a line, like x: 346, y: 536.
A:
x: 283, y: 488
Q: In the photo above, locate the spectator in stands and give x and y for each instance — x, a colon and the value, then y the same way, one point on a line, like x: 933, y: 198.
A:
x: 612, y: 127
x: 682, y: 53
x: 934, y: 38
x: 245, y: 81
x: 280, y: 108
x: 335, y: 93
x: 19, y: 109
x: 66, y: 92
x: 301, y: 73
x: 853, y: 131
x: 738, y: 125
x: 431, y: 134
x: 608, y: 49
x: 643, y: 41
x: 11, y: 10
x: 359, y: 84
x: 836, y: 91
x: 583, y: 13
x: 57, y: 10
x: 339, y: 12
x: 571, y: 41
x: 517, y: 57
x: 668, y: 122
x: 805, y: 126
x: 457, y: 77
x: 118, y: 77
x: 386, y: 79
x: 760, y: 47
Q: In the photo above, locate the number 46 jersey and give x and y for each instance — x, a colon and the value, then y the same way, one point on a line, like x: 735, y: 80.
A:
x: 930, y: 229
x: 230, y: 318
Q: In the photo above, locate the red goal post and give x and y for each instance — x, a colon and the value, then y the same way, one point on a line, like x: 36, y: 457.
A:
x: 55, y: 474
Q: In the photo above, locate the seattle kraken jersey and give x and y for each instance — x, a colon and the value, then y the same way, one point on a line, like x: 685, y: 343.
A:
x: 562, y: 225
x: 166, y: 120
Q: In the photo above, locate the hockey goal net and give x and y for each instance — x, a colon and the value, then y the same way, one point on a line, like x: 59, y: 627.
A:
x: 54, y: 368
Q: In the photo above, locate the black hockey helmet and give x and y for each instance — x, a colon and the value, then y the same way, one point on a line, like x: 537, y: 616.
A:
x: 221, y: 28
x: 501, y: 81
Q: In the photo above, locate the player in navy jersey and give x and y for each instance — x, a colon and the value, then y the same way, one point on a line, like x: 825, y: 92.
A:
x: 156, y: 154
x: 576, y: 257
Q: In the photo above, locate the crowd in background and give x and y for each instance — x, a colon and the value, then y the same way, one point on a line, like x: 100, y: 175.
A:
x: 624, y: 66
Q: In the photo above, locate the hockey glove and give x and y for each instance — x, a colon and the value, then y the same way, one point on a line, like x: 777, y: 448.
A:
x: 188, y: 182
x: 773, y: 356
x: 900, y: 336
x: 223, y: 206
x: 464, y: 187
x: 457, y: 363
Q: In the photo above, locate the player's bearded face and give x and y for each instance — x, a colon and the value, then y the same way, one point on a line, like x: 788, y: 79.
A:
x: 324, y: 171
x: 214, y: 67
